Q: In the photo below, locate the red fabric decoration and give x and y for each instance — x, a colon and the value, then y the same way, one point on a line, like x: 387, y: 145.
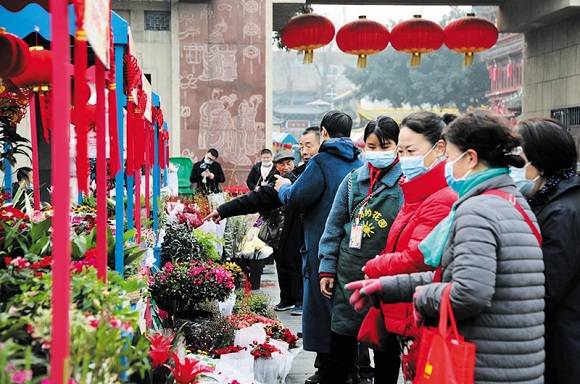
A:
x: 15, y: 55
x: 306, y: 33
x: 60, y: 176
x: 34, y: 143
x: 80, y: 117
x: 161, y: 153
x: 470, y: 35
x: 17, y: 5
x: 102, y: 215
x: 37, y: 75
x: 45, y: 114
x: 363, y: 38
x: 417, y: 36
x: 133, y: 79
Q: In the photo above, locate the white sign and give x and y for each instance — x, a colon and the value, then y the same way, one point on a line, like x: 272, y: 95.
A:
x: 97, y: 20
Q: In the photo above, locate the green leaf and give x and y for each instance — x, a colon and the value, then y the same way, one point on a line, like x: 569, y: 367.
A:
x: 129, y: 235
x: 38, y: 230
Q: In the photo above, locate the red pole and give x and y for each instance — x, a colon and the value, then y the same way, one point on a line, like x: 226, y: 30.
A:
x: 101, y: 172
x: 138, y: 204
x: 34, y: 140
x: 60, y: 175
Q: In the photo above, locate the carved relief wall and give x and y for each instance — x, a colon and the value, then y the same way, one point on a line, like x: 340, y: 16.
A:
x: 222, y: 82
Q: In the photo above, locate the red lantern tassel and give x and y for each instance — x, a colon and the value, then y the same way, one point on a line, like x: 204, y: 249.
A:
x: 80, y: 102
x: 34, y: 140
x: 44, y: 101
x: 101, y: 173
x: 137, y: 205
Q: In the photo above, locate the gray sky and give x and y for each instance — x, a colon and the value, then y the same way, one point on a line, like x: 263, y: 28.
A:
x: 341, y: 14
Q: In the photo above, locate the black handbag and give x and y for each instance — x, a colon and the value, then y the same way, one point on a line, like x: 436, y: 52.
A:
x: 271, y: 230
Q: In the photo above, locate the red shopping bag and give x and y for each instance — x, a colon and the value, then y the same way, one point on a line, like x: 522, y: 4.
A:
x: 444, y: 356
x: 372, y: 331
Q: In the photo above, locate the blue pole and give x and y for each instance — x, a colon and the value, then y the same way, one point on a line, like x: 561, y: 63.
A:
x: 120, y: 176
x: 156, y: 194
x: 8, y: 174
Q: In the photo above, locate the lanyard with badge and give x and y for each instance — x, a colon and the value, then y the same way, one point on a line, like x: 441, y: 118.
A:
x: 356, y: 229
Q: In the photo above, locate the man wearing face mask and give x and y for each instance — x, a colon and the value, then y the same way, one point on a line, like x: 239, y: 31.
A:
x: 207, y: 174
x: 312, y: 194
x: 262, y: 173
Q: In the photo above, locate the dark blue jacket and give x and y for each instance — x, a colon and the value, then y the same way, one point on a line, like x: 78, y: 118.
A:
x: 313, y: 194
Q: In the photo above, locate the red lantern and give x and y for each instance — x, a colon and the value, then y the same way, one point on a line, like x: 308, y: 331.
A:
x: 363, y: 38
x: 14, y: 53
x: 38, y: 73
x: 417, y: 36
x: 470, y: 35
x: 306, y: 33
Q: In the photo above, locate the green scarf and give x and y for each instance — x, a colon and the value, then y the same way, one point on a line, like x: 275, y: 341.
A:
x: 434, y: 244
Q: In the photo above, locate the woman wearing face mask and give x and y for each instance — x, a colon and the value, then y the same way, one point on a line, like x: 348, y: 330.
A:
x: 364, y: 208
x: 555, y: 199
x: 489, y: 247
x: 427, y: 201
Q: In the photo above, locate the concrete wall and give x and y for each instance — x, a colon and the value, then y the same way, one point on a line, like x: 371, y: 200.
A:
x: 154, y: 52
x: 552, y: 68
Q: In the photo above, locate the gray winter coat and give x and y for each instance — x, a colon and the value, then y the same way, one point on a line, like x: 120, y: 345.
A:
x: 495, y: 265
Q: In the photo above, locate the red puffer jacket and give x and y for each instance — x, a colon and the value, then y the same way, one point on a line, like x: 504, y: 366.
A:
x: 428, y: 200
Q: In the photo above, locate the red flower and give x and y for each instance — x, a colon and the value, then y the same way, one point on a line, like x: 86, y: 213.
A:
x: 160, y: 348
x: 7, y: 260
x: 187, y: 371
x: 90, y: 260
x: 263, y: 351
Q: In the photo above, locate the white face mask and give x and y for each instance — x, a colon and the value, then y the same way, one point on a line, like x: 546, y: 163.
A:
x: 208, y: 161
x: 267, y: 164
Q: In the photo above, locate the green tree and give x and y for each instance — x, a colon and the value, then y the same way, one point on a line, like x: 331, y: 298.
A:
x: 440, y: 80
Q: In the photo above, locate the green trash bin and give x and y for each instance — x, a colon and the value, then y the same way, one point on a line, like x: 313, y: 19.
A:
x: 184, y: 166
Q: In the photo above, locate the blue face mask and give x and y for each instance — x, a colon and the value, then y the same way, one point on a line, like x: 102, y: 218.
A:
x: 414, y: 166
x: 380, y: 159
x: 455, y: 184
x: 524, y: 185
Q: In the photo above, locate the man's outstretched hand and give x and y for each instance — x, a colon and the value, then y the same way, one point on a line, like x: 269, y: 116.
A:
x: 280, y: 181
x: 214, y: 216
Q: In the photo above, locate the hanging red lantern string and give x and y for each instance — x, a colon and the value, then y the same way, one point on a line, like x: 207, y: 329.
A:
x: 132, y: 80
x: 362, y: 38
x: 138, y: 147
x: 417, y: 36
x: 306, y: 33
x: 148, y: 130
x: 470, y: 35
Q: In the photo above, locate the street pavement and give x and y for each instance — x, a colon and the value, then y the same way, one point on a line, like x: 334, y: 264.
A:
x: 303, y: 366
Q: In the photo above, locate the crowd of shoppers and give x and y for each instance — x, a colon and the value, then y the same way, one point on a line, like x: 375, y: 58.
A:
x: 466, y: 204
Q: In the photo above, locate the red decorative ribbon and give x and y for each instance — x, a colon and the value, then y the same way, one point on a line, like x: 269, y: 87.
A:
x: 80, y: 98
x: 34, y: 140
x: 115, y: 164
x: 60, y: 175
x: 101, y: 172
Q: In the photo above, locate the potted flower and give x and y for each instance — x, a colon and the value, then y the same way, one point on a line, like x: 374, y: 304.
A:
x: 180, y: 287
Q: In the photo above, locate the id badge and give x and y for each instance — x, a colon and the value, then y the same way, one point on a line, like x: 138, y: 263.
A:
x: 356, y: 234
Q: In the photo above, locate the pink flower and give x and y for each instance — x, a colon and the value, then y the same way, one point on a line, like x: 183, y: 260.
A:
x: 20, y: 262
x: 93, y: 321
x: 127, y: 327
x: 21, y: 377
x: 115, y: 323
x: 168, y: 267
